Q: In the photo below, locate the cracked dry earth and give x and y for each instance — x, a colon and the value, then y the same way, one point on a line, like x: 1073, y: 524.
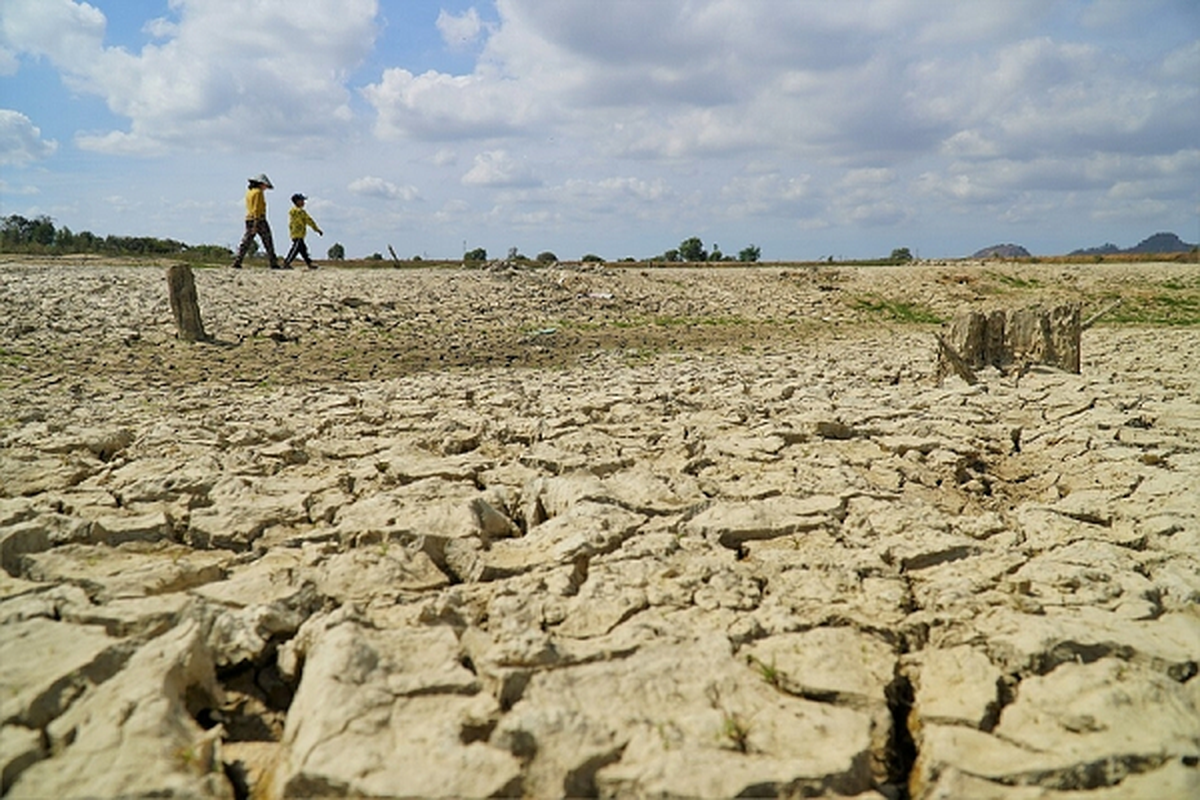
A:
x: 617, y: 533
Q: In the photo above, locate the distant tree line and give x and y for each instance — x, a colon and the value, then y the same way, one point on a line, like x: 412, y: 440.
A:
x: 692, y: 249
x: 40, y: 236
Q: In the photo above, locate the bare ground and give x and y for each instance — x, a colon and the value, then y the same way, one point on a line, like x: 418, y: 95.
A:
x: 63, y: 323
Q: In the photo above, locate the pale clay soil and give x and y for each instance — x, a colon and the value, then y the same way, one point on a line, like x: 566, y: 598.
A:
x: 608, y: 531
x: 101, y: 325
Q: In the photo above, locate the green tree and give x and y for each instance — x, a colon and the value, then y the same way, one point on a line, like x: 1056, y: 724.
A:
x: 336, y: 252
x: 43, y: 231
x: 592, y: 258
x: 901, y: 255
x: 749, y: 255
x: 12, y: 233
x: 478, y: 254
x: 692, y: 249
x: 64, y: 240
x: 546, y: 257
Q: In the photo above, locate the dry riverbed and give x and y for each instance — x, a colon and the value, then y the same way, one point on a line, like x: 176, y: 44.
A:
x: 605, y: 531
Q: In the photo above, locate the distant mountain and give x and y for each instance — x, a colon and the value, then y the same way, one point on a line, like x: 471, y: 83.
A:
x: 1161, y: 243
x: 1158, y: 243
x: 1002, y: 251
x: 1108, y: 248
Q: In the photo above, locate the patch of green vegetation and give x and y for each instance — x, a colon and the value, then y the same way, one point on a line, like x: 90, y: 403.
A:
x: 899, y: 311
x: 11, y: 359
x: 735, y: 732
x: 1013, y: 282
x: 769, y: 672
x: 1178, y: 285
x: 1171, y: 310
x: 635, y: 356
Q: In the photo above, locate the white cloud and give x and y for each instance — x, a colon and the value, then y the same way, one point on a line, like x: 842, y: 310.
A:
x: 772, y: 194
x: 436, y: 106
x: 120, y: 143
x: 276, y: 69
x: 460, y: 31
x: 69, y: 34
x: 498, y: 169
x: 623, y: 197
x: 8, y: 62
x: 371, y: 186
x: 161, y: 28
x: 678, y: 79
x: 21, y: 141
x: 672, y: 113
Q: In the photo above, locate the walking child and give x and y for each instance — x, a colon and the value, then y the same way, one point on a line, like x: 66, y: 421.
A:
x: 298, y: 224
x: 256, y: 222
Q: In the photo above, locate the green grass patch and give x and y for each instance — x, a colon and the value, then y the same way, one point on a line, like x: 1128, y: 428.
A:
x: 11, y: 359
x: 1165, y: 309
x: 1013, y: 282
x: 899, y: 311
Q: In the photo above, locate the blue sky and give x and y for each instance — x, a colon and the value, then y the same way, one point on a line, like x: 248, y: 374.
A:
x: 620, y: 128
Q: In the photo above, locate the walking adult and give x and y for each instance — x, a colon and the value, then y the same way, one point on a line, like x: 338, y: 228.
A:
x: 256, y: 222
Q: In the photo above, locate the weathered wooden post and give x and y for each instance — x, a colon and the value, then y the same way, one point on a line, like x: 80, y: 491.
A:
x: 1005, y: 340
x: 181, y: 287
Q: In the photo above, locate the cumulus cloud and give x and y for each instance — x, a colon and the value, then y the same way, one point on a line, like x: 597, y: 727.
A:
x: 371, y: 186
x: 120, y: 143
x: 435, y: 106
x: 625, y: 197
x: 8, y: 62
x: 856, y: 113
x: 772, y: 194
x: 460, y: 31
x: 498, y: 169
x: 21, y: 141
x: 277, y: 68
x: 67, y: 33
x: 862, y: 106
x: 680, y: 78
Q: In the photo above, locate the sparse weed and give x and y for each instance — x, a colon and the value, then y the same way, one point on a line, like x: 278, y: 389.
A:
x: 638, y: 355
x: 899, y: 311
x: 1168, y: 309
x: 735, y: 732
x: 769, y: 672
x: 1012, y: 281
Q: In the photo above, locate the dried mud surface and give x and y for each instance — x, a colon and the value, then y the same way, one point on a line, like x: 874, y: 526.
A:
x: 68, y: 324
x: 604, y: 531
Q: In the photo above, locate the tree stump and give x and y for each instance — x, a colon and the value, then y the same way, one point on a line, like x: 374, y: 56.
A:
x: 181, y: 286
x: 1011, y: 339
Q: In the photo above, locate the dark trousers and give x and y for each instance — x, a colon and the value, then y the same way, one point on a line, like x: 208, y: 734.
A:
x: 299, y: 248
x: 261, y: 229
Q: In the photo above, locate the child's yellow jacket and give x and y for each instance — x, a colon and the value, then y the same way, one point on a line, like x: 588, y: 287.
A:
x: 299, y: 221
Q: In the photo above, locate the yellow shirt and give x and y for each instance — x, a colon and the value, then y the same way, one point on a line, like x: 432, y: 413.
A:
x: 256, y: 203
x: 299, y: 221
